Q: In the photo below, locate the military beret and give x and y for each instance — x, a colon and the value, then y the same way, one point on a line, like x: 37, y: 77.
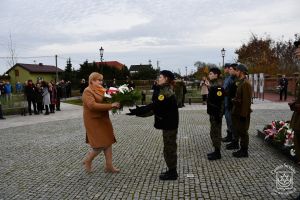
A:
x: 297, y: 43
x: 242, y: 68
x: 168, y: 74
x: 233, y: 65
x: 215, y: 70
x: 227, y: 65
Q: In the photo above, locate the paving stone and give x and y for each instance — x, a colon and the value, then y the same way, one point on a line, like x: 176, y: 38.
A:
x: 42, y: 160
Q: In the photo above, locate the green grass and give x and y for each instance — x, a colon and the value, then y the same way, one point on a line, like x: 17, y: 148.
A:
x: 77, y: 102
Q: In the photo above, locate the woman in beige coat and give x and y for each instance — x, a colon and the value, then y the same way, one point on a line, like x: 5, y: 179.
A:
x: 99, y: 130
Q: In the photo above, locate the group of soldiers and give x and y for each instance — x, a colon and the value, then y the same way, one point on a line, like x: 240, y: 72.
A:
x: 231, y: 97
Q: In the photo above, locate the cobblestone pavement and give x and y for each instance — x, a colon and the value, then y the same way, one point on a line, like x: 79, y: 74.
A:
x: 42, y: 160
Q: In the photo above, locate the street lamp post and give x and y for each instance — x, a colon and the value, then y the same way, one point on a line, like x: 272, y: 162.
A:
x: 223, y: 54
x: 101, y: 50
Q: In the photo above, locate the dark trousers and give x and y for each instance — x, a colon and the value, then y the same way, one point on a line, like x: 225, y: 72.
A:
x: 215, y: 131
x: 29, y: 105
x: 170, y: 148
x: 228, y: 122
x: 57, y: 104
x: 297, y: 144
x: 283, y: 91
x: 52, y: 108
x: 240, y: 130
x: 39, y: 107
x: 47, y: 109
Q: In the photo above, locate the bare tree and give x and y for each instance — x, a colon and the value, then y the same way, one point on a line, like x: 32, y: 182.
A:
x: 12, y: 58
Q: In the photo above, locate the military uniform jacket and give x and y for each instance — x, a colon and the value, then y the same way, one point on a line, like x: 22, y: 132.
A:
x: 295, y: 121
x: 215, y: 100
x: 242, y: 100
x: 165, y: 109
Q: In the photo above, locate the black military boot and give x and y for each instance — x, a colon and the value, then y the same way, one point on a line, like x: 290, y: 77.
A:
x: 242, y: 153
x: 169, y: 175
x: 228, y: 138
x: 214, y: 155
x: 233, y: 145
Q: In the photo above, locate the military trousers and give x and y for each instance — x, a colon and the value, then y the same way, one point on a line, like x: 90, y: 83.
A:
x: 215, y: 131
x: 170, y: 148
x: 229, y: 122
x: 297, y: 144
x: 241, y: 128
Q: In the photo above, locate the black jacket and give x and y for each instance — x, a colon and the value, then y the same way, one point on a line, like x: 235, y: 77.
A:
x: 165, y: 109
x: 215, y: 101
x: 30, y: 92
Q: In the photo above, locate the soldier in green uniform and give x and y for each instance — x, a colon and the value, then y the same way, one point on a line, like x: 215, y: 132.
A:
x: 215, y: 107
x: 166, y: 117
x: 241, y: 111
x: 295, y: 107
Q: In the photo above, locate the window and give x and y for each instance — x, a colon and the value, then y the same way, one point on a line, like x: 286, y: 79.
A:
x: 16, y: 72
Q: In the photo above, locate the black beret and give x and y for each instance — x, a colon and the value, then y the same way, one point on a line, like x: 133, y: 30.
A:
x: 242, y: 68
x: 234, y: 65
x: 168, y: 74
x: 227, y: 65
x: 215, y: 70
x: 297, y: 43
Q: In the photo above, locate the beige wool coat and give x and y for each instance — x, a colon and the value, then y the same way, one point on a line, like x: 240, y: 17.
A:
x: 96, y: 119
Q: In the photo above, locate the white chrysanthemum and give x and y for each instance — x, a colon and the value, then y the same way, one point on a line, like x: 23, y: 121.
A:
x: 107, y: 95
x: 293, y: 152
x: 123, y: 89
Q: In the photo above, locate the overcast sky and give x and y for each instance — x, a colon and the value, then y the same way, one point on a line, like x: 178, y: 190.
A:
x: 176, y: 33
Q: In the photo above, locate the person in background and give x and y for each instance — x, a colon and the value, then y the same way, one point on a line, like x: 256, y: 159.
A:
x: 83, y: 85
x: 53, y: 96
x: 19, y: 87
x: 204, y: 84
x: 39, y: 98
x: 143, y: 97
x: 1, y: 113
x: 184, y: 93
x: 46, y: 96
x: 283, y: 83
x: 131, y: 85
x: 31, y: 98
x: 69, y: 89
x: 63, y: 89
x: 8, y: 91
x: 58, y: 96
x: 178, y: 89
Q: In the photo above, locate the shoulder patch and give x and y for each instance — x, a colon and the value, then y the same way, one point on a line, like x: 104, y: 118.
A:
x: 161, y: 97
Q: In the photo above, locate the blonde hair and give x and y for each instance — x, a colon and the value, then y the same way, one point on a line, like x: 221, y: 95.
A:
x: 94, y: 76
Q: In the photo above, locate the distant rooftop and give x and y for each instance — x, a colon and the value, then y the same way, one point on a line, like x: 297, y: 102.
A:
x: 38, y: 68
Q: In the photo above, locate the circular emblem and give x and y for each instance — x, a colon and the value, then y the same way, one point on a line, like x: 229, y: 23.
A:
x: 219, y: 93
x: 161, y: 97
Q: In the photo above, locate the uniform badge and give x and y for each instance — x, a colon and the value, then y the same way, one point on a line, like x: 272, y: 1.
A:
x: 161, y: 97
x: 219, y: 93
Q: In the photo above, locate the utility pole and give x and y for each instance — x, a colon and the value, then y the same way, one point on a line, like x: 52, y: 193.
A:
x: 56, y: 69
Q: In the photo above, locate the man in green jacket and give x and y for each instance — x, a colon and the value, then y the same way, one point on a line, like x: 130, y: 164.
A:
x: 241, y: 111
